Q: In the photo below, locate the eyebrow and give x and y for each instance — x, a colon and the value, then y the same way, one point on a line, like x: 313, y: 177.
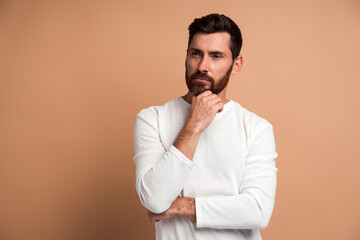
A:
x: 217, y: 52
x: 195, y: 49
x: 211, y: 52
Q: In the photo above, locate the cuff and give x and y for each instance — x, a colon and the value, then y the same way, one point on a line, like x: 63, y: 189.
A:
x: 181, y: 156
x: 198, y: 210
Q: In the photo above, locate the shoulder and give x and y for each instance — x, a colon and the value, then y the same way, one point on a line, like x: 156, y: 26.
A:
x: 251, y: 120
x: 153, y: 112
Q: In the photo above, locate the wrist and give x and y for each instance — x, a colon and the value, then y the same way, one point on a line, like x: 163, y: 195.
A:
x: 187, y: 140
x: 190, y: 209
x: 192, y: 129
x: 187, y: 208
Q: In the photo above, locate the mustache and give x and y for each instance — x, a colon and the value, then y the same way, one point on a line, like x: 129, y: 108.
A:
x: 202, y: 75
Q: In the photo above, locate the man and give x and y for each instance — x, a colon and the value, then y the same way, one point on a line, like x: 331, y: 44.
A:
x: 205, y: 166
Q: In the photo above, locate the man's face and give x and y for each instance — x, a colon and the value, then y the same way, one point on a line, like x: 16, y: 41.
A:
x: 209, y: 63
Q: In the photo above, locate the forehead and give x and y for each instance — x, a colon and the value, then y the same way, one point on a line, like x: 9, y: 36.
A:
x: 219, y: 41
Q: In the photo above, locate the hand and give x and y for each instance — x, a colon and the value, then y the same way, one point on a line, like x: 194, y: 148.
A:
x: 203, y: 109
x: 182, y: 206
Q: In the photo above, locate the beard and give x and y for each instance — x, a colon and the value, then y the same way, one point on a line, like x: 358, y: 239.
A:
x: 197, y: 88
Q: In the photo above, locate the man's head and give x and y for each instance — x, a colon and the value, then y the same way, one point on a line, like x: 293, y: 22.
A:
x: 214, y: 23
x: 213, y: 53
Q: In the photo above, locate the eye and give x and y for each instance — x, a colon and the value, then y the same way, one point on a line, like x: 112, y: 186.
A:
x: 217, y: 56
x: 195, y: 54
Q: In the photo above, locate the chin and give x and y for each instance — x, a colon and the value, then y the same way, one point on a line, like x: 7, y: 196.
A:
x: 196, y: 92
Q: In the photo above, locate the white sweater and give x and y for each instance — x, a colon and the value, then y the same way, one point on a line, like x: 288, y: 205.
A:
x: 232, y: 176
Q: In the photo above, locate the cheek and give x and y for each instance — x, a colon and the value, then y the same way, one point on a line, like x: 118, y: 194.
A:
x: 222, y: 70
x: 189, y: 67
x: 192, y: 62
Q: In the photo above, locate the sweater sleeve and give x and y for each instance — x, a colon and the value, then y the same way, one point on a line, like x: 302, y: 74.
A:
x: 253, y: 206
x: 160, y: 173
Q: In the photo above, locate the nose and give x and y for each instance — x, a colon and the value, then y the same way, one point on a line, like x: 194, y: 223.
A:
x: 204, y: 64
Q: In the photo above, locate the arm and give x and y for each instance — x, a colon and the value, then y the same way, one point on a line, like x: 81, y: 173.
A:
x: 181, y: 207
x: 252, y: 207
x: 161, y: 174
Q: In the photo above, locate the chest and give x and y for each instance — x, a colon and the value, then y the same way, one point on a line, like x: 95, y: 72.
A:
x: 219, y: 158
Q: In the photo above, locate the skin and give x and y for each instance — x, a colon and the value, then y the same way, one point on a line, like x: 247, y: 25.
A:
x: 209, y: 54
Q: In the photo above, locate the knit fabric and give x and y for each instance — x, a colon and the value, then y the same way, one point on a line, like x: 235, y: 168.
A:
x: 232, y: 176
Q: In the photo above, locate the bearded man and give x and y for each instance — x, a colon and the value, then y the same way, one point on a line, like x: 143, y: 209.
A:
x: 205, y: 166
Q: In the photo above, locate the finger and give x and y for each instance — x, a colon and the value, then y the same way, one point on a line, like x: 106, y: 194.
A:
x: 205, y: 93
x: 210, y: 97
x: 214, y: 99
x: 220, y: 107
x: 152, y: 216
x: 153, y: 219
x: 156, y: 217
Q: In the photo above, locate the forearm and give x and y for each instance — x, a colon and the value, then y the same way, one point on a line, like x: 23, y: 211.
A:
x: 187, y: 140
x: 163, y: 182
x: 252, y: 207
x: 187, y: 209
x: 242, y: 211
x: 160, y: 184
x: 161, y: 173
x: 202, y: 112
x: 181, y: 207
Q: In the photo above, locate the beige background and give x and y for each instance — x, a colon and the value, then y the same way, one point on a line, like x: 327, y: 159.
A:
x: 73, y: 75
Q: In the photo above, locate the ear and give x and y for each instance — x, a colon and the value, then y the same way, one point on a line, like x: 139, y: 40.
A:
x: 237, y: 65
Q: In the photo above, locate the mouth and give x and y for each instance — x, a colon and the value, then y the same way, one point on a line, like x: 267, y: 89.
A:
x: 201, y: 80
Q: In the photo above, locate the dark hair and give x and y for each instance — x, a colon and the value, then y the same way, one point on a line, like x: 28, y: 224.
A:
x: 214, y: 23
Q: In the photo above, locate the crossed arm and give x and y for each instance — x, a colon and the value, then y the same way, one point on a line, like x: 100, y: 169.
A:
x: 202, y: 111
x: 250, y: 209
x: 181, y: 207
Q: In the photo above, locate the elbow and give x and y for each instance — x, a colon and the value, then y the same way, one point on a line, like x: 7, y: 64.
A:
x: 264, y: 218
x: 261, y: 216
x: 258, y: 221
x: 264, y: 209
x: 152, y: 203
x: 263, y: 223
x: 266, y: 213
